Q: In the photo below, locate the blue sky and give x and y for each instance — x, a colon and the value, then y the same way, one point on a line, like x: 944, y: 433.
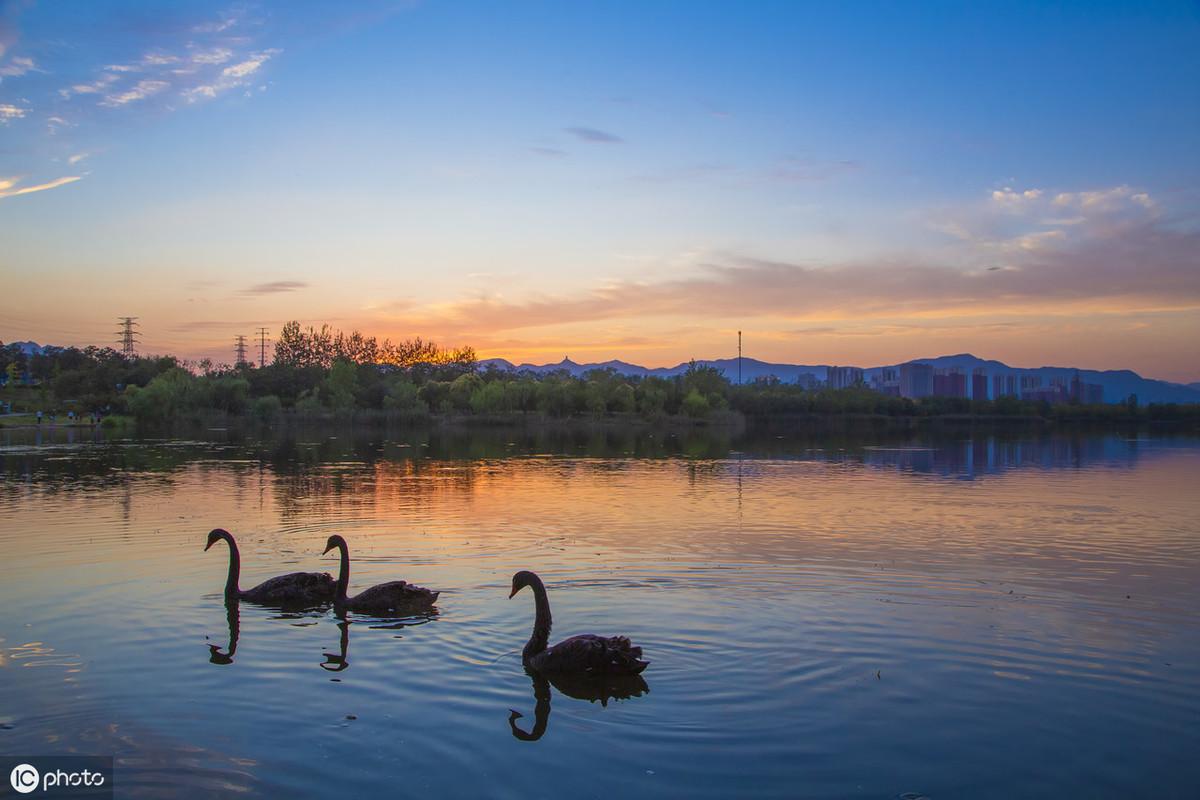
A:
x: 846, y: 182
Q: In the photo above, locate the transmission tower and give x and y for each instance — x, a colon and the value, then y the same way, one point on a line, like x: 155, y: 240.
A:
x: 240, y: 350
x: 129, y: 336
x: 262, y: 347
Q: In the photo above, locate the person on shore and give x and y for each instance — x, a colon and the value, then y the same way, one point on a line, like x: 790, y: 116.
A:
x: 39, y: 417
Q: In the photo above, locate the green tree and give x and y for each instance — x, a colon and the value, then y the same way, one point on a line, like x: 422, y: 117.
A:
x: 338, y: 389
x: 695, y: 405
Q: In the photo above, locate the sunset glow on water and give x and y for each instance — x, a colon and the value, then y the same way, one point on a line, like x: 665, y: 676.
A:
x: 862, y: 619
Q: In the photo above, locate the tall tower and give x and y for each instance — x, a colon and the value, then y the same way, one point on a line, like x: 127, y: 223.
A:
x: 239, y: 349
x: 128, y: 335
x: 739, y: 358
x: 262, y: 347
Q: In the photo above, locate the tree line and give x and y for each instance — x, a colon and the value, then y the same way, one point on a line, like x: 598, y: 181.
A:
x: 321, y: 372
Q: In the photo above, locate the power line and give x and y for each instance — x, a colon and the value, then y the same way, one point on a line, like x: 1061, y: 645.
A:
x: 240, y: 350
x: 262, y: 347
x: 129, y: 336
x: 739, y: 358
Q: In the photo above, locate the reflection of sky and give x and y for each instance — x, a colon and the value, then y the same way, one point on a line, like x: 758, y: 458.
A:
x: 1007, y: 619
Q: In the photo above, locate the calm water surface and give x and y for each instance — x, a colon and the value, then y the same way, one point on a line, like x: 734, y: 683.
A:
x: 953, y: 616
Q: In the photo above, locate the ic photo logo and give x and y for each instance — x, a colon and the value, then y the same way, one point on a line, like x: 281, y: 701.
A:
x: 24, y: 778
x: 59, y: 776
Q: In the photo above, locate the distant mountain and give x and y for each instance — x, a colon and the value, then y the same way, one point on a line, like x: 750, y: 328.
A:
x: 28, y: 348
x: 751, y: 368
x: 1118, y: 384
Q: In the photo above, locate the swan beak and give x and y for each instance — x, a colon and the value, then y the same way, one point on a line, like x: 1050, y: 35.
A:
x: 326, y: 550
x: 513, y: 593
x: 208, y: 545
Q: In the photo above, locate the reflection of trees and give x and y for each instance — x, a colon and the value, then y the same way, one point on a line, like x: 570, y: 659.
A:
x: 360, y: 466
x: 389, y: 484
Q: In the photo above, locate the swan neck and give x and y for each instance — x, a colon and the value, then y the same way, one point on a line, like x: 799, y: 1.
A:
x: 343, y: 581
x: 542, y: 622
x: 235, y: 566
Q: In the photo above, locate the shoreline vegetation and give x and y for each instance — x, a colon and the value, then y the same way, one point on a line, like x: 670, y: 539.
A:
x: 325, y: 375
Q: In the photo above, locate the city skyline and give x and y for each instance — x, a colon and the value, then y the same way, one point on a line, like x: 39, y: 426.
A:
x: 843, y: 187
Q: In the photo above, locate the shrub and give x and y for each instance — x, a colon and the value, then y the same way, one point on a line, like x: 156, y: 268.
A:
x: 267, y: 408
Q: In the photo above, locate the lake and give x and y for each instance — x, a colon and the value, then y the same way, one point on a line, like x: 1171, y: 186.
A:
x: 875, y: 615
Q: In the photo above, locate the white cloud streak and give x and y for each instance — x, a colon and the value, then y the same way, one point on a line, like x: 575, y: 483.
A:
x: 143, y: 89
x: 9, y: 187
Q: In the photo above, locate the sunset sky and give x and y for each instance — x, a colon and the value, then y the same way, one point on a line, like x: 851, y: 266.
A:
x: 845, y: 182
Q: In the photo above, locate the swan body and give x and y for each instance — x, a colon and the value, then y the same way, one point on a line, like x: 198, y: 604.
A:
x: 386, y: 598
x: 584, y: 654
x: 296, y: 589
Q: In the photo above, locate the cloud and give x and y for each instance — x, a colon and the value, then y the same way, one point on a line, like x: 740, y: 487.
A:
x: 17, y: 67
x: 220, y: 26
x: 9, y: 112
x: 143, y: 89
x: 249, y: 66
x: 159, y: 59
x: 275, y: 287
x: 1120, y: 263
x: 593, y: 135
x: 217, y: 56
x: 231, y: 77
x: 8, y: 186
x: 548, y: 152
x: 1009, y: 199
x: 97, y: 86
x: 1014, y: 220
x: 75, y: 159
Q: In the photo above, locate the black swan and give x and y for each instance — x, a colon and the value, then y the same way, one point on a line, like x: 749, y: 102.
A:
x: 394, y: 596
x: 296, y: 589
x: 586, y: 653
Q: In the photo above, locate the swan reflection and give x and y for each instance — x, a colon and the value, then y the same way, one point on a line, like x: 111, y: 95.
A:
x: 336, y: 662
x: 233, y: 616
x: 581, y: 687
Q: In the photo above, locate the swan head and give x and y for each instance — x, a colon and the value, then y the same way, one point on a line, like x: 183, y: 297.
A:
x: 216, y: 535
x: 521, y: 580
x: 334, y: 541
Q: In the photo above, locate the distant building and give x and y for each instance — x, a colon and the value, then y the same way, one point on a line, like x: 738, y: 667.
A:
x: 1053, y: 394
x: 844, y: 377
x: 949, y: 383
x: 887, y: 381
x: 1004, y: 386
x: 916, y: 380
x: 979, y: 384
x: 1081, y: 392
